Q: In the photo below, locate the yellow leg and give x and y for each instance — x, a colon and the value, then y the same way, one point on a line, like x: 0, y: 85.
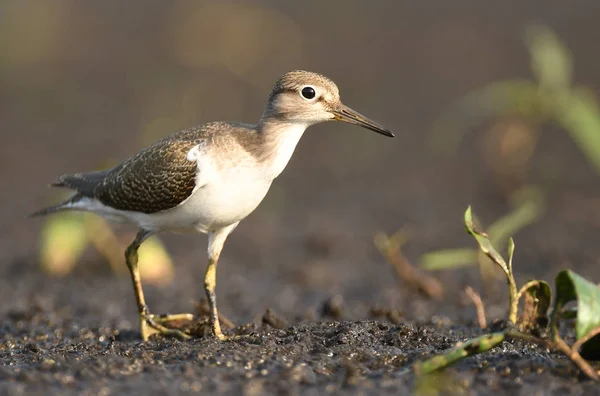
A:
x: 210, y: 282
x: 216, y: 240
x: 149, y: 324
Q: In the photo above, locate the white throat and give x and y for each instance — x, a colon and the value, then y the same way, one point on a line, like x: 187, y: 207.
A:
x: 284, y: 143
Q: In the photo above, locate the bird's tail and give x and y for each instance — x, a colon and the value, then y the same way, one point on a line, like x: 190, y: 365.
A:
x: 69, y: 204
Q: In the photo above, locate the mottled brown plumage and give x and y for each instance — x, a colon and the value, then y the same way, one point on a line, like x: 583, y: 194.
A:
x: 159, y: 177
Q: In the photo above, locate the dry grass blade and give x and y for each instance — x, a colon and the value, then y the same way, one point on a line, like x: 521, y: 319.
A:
x: 479, y: 306
x: 272, y: 319
x: 390, y: 248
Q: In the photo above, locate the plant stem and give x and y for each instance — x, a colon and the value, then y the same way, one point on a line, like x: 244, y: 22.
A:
x: 528, y: 337
x: 513, y: 298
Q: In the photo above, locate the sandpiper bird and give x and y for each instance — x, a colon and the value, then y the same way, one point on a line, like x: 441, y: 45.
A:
x: 206, y: 179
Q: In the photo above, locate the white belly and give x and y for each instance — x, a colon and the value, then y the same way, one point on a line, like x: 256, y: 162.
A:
x: 215, y: 205
x: 209, y: 208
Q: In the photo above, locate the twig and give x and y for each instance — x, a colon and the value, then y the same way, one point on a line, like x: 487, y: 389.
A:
x: 476, y: 298
x: 575, y: 357
x: 577, y: 344
x: 561, y: 345
x: 389, y: 247
x: 558, y: 343
x: 564, y: 347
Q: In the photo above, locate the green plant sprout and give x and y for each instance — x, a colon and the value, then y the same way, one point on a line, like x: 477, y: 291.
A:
x: 529, y: 207
x: 551, y: 97
x: 570, y: 287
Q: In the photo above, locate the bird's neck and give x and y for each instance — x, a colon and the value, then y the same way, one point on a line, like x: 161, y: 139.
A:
x: 278, y: 140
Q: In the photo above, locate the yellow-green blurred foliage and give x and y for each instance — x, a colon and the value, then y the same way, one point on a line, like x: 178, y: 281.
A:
x: 440, y: 383
x: 510, y: 142
x: 66, y: 236
x: 63, y: 241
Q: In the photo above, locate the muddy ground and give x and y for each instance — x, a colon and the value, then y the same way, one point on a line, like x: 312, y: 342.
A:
x: 307, y: 253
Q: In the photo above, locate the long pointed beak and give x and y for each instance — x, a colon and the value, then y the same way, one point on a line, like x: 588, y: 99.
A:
x: 346, y: 114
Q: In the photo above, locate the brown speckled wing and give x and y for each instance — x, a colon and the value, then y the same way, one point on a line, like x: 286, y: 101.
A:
x: 157, y: 178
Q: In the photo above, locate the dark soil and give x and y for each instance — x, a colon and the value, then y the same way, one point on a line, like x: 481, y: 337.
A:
x: 340, y: 321
x: 50, y: 353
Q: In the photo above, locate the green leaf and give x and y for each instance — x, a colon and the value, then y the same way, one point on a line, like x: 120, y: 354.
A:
x: 573, y: 287
x: 484, y: 242
x: 449, y: 259
x: 487, y: 248
x: 511, y: 252
x: 460, y: 351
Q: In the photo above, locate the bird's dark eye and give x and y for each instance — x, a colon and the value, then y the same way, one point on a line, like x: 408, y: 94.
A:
x: 308, y: 93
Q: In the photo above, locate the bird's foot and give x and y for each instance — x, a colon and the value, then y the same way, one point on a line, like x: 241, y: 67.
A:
x: 166, y: 318
x: 223, y: 337
x: 155, y: 324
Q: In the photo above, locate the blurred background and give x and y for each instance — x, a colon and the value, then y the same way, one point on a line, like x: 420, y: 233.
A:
x: 493, y: 104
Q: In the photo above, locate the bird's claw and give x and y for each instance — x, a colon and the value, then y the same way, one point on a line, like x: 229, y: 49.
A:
x: 154, y: 324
